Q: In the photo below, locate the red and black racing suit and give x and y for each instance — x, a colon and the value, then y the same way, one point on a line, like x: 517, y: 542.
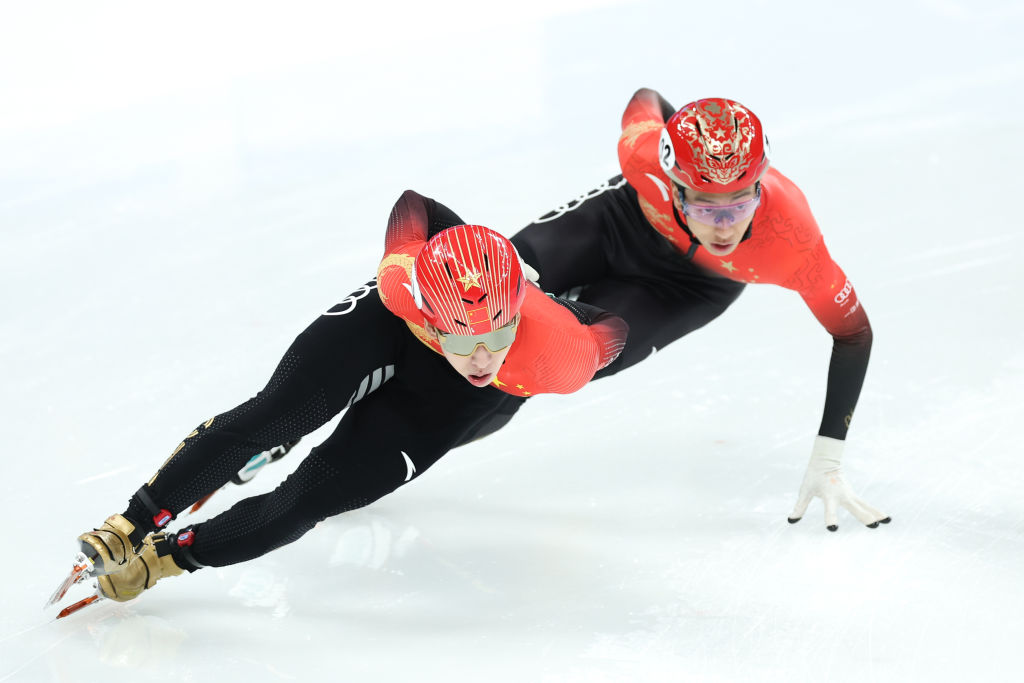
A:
x: 627, y: 248
x: 406, y: 406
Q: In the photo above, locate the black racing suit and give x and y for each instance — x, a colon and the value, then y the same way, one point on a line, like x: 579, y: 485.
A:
x: 406, y: 408
x: 603, y: 245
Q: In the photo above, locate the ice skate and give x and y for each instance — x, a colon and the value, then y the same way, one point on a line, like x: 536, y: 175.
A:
x: 154, y: 562
x: 112, y: 546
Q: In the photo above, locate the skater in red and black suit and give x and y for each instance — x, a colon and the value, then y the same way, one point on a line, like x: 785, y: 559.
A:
x: 696, y: 215
x: 455, y: 341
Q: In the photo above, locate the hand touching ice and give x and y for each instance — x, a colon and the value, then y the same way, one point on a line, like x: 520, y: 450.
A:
x: 824, y: 479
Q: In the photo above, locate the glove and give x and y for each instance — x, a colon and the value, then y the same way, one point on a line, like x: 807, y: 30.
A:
x: 824, y: 479
x: 531, y: 273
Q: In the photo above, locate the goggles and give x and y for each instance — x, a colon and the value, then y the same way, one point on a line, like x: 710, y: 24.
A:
x: 717, y: 214
x: 466, y: 344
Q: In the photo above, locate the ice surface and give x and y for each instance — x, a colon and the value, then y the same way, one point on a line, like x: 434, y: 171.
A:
x: 184, y: 187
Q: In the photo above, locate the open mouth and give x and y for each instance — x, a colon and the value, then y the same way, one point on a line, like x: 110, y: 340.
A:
x: 479, y: 380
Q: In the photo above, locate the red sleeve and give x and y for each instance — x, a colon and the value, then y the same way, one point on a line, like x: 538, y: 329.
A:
x: 414, y: 219
x: 406, y: 235
x: 610, y: 335
x: 407, y: 223
x: 641, y: 130
x: 834, y: 303
x: 559, y: 346
x: 830, y: 295
x: 645, y: 105
x: 789, y: 250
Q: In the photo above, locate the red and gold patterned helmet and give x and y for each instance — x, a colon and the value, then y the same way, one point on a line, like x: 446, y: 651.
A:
x: 714, y: 145
x: 468, y: 280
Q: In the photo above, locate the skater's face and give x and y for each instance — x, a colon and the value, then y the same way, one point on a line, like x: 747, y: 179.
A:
x: 718, y: 220
x: 476, y: 362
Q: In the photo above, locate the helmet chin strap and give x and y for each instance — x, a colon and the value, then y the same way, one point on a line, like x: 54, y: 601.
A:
x: 694, y: 242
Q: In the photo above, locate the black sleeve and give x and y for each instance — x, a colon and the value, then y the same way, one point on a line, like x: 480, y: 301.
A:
x: 602, y: 247
x: 439, y: 217
x: 667, y: 110
x: 846, y: 371
x: 586, y: 314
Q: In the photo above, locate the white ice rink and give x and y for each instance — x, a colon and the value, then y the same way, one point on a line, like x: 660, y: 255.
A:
x: 185, y: 186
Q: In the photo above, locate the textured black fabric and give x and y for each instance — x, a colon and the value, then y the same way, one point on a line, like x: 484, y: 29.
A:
x: 387, y: 437
x: 846, y: 369
x: 603, y: 245
x: 667, y: 110
x: 440, y: 217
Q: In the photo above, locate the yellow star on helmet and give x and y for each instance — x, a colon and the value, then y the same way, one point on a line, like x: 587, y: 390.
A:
x: 470, y: 279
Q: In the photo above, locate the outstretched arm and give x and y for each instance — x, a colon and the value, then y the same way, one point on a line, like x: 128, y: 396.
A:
x: 835, y: 304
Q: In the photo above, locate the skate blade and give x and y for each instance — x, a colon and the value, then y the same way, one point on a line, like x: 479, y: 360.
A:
x: 85, y: 602
x: 81, y: 570
x: 200, y: 503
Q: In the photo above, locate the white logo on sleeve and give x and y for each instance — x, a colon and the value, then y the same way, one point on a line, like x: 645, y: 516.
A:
x: 410, y: 468
x: 844, y: 294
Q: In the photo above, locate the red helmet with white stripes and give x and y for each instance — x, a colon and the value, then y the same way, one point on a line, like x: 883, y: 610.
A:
x: 468, y: 280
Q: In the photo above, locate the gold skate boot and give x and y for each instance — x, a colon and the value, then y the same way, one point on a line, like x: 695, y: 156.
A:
x: 111, y: 546
x: 154, y: 562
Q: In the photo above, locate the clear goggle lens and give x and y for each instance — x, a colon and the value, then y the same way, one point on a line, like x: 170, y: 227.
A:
x: 718, y: 214
x: 465, y: 344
